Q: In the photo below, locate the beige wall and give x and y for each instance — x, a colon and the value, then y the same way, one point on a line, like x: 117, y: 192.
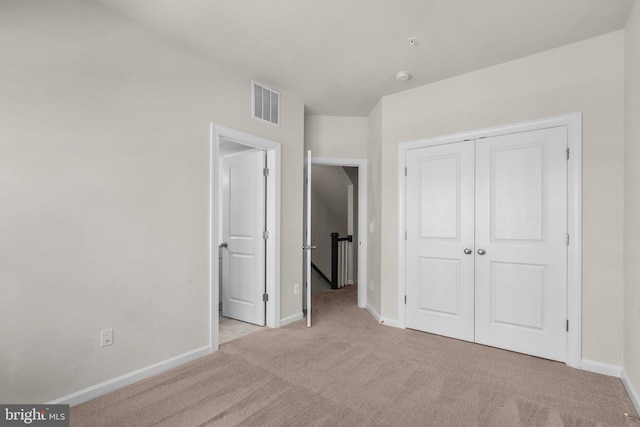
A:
x: 632, y: 199
x: 583, y: 77
x: 374, y: 207
x: 334, y: 136
x: 104, y: 182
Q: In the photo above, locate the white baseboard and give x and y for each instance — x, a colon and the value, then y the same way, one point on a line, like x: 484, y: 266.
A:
x: 132, y: 377
x: 291, y: 319
x: 601, y: 368
x: 631, y: 390
x: 391, y: 322
x: 373, y: 313
x: 382, y: 320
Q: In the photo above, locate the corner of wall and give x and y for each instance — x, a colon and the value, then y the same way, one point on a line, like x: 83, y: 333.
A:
x: 374, y: 208
x: 631, y: 320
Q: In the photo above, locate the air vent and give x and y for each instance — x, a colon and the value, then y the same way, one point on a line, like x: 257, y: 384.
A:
x: 266, y: 104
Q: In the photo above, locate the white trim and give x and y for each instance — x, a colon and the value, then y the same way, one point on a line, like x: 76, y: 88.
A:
x: 383, y: 320
x: 391, y: 322
x: 291, y: 319
x: 374, y: 313
x: 273, y: 150
x: 574, y: 253
x: 361, y: 164
x: 402, y: 204
x: 573, y: 122
x: 614, y: 371
x: 631, y: 390
x: 132, y: 377
x: 601, y: 368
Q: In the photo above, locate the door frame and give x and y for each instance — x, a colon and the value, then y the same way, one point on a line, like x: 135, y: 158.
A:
x: 273, y: 150
x: 361, y: 164
x: 573, y: 122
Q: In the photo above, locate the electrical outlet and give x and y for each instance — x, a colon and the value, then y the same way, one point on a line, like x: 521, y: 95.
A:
x: 296, y: 288
x: 106, y: 337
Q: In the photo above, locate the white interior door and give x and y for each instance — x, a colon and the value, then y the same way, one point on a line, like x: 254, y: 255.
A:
x: 307, y: 236
x: 440, y: 290
x: 243, y: 265
x: 521, y: 242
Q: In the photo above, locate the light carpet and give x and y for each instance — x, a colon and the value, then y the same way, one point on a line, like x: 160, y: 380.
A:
x: 347, y: 370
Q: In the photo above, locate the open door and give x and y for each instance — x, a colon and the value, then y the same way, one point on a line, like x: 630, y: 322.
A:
x: 243, y: 250
x: 306, y: 268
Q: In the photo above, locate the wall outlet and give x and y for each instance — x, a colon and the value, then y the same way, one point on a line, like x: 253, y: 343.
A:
x: 106, y: 337
x: 296, y: 288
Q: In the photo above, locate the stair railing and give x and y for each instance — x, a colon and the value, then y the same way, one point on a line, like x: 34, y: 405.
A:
x: 339, y: 260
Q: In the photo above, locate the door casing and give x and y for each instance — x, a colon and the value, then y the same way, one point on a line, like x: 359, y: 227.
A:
x: 273, y: 150
x: 573, y: 122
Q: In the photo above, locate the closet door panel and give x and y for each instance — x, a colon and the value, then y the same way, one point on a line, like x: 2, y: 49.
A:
x: 521, y: 250
x: 440, y: 192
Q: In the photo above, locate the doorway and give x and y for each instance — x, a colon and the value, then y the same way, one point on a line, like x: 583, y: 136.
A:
x: 352, y: 172
x: 334, y: 208
x: 489, y: 237
x: 245, y: 233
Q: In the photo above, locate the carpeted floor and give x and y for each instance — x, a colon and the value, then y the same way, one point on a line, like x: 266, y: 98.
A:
x: 348, y: 371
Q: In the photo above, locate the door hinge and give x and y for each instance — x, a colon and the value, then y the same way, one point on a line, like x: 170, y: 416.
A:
x: 265, y: 297
x: 405, y: 171
x: 405, y: 299
x: 567, y: 239
x: 568, y: 153
x: 265, y: 234
x: 567, y: 325
x: 265, y: 171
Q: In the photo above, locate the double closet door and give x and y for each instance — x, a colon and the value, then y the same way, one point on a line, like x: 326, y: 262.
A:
x: 487, y: 241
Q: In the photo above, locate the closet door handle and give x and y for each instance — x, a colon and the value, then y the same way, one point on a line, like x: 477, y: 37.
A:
x: 481, y: 252
x: 223, y: 245
x: 468, y: 251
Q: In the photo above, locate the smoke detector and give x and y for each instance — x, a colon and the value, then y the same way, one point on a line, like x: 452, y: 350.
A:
x: 402, y: 76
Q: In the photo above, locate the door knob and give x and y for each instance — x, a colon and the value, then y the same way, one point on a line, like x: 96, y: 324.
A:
x: 223, y: 245
x: 481, y: 252
x: 467, y: 251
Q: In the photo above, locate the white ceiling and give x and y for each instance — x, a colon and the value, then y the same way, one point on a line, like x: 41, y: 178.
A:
x: 340, y: 56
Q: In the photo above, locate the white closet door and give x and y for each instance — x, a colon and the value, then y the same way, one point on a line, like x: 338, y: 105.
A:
x: 440, y: 211
x: 521, y: 247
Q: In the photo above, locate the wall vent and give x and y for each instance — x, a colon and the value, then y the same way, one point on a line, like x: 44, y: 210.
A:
x: 266, y: 104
